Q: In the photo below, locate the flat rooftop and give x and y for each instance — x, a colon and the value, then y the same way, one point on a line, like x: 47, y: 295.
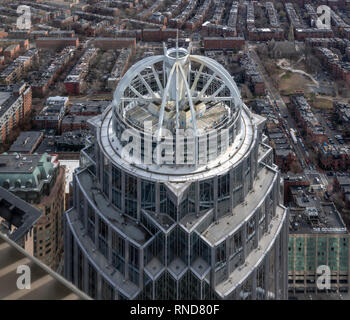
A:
x: 26, y: 141
x: 315, y: 216
x: 4, y: 96
x: 17, y: 163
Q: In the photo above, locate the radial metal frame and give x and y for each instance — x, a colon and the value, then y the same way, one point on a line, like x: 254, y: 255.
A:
x: 135, y: 72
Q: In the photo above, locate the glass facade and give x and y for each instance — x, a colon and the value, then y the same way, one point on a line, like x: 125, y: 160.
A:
x: 131, y: 196
x: 181, y: 231
x: 116, y: 187
x: 229, y: 254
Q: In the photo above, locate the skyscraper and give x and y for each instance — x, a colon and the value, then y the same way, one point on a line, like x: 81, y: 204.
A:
x: 178, y: 196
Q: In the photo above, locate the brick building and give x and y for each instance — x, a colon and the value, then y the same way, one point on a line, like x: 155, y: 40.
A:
x: 307, y: 120
x: 75, y: 81
x: 56, y: 43
x: 15, y: 108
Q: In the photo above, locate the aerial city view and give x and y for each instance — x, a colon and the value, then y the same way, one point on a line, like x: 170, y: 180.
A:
x: 174, y: 150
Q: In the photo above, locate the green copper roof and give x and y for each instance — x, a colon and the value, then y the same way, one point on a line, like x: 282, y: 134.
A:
x: 19, y: 171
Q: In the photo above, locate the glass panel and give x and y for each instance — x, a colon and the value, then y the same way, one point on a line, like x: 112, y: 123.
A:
x: 206, y: 195
x: 118, y: 252
x: 148, y: 195
x: 91, y: 223
x: 130, y: 196
x: 103, y: 238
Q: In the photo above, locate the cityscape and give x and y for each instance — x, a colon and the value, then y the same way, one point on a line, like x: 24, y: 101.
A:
x: 174, y: 150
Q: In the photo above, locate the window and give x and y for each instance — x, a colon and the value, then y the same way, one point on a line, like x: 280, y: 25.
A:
x: 235, y: 243
x: 221, y: 254
x: 223, y: 194
x: 148, y: 195
x: 118, y: 252
x: 134, y: 256
x: 103, y: 238
x: 224, y: 186
x: 130, y: 195
x: 106, y: 181
x: 91, y: 223
x: 206, y: 195
x: 166, y: 205
x: 92, y: 288
x: 107, y: 291
x: 116, y: 187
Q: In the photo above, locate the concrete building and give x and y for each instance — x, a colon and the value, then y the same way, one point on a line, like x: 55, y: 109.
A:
x: 317, y: 237
x: 210, y: 225
x: 40, y: 181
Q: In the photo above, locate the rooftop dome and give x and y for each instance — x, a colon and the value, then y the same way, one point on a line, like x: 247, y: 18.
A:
x: 176, y: 110
x: 174, y: 91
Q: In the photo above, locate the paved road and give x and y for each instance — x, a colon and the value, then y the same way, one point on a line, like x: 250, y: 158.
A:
x: 275, y: 96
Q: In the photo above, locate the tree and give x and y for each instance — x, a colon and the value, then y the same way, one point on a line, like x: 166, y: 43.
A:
x: 295, y: 167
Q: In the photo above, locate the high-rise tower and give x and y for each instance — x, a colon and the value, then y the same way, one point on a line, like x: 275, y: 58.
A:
x: 178, y: 197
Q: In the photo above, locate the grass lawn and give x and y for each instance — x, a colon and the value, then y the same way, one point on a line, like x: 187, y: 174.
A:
x: 322, y: 103
x: 291, y: 82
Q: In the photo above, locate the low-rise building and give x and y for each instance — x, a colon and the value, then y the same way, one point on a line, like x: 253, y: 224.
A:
x: 56, y: 43
x: 27, y: 142
x: 74, y: 82
x: 15, y: 108
x: 74, y: 122
x: 307, y: 120
x: 42, y: 83
x: 87, y: 108
x: 14, y: 72
x: 52, y: 114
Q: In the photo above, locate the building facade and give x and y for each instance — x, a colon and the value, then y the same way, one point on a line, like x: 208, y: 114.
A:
x: 40, y: 181
x: 203, y: 218
x: 15, y: 108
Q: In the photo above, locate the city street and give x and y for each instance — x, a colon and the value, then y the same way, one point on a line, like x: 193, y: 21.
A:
x: 276, y: 100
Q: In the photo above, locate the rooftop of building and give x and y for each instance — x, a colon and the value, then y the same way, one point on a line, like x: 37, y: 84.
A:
x: 25, y: 172
x: 88, y: 106
x: 72, y: 141
x: 18, y: 217
x: 310, y: 214
x: 26, y: 141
